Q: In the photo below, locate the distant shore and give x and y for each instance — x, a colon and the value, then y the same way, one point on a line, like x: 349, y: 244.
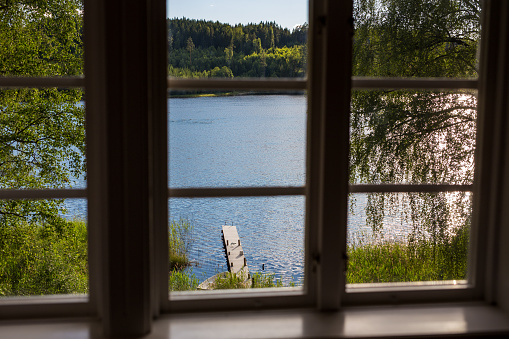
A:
x: 206, y: 94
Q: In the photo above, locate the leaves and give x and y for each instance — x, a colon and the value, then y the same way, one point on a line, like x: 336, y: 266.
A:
x: 42, y: 131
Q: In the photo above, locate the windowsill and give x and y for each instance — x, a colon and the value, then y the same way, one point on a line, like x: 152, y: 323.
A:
x: 396, y: 321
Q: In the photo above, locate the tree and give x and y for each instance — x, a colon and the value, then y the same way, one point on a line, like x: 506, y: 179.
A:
x: 190, y: 48
x: 41, y: 130
x: 415, y: 136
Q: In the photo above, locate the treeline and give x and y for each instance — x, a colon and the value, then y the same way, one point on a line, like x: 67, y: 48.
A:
x: 198, y: 48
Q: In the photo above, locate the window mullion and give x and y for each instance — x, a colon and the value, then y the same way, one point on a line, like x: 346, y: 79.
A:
x: 335, y: 24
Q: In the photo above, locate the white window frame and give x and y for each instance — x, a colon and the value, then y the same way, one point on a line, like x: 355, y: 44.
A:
x: 127, y: 179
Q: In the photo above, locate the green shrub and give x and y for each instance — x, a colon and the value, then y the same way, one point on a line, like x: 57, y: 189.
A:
x: 41, y: 260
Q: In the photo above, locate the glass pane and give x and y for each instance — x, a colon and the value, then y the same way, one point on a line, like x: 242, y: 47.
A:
x: 416, y: 38
x: 41, y: 38
x: 408, y: 237
x: 228, y: 38
x: 43, y: 247
x: 42, y: 138
x: 271, y: 233
x: 238, y: 140
x: 418, y: 137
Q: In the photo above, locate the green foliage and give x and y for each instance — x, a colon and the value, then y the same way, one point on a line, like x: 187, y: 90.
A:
x: 415, y: 260
x: 230, y: 280
x: 43, y: 259
x: 41, y: 130
x: 220, y: 50
x: 179, y: 241
x: 416, y: 38
x: 42, y: 140
x: 416, y: 137
x: 182, y: 281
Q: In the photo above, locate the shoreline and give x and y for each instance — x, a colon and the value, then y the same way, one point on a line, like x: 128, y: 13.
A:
x: 214, y: 94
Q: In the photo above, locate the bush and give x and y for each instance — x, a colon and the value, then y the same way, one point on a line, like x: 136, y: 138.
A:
x: 41, y: 260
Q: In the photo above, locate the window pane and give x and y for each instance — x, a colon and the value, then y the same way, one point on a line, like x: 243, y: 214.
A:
x: 238, y: 140
x: 418, y: 137
x: 43, y: 247
x: 404, y: 237
x: 271, y: 231
x: 41, y: 38
x: 227, y: 38
x: 416, y: 38
x: 42, y: 138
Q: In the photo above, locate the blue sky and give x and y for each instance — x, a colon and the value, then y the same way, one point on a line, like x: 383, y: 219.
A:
x: 286, y: 13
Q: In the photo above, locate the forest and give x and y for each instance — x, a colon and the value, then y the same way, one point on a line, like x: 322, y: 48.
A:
x: 198, y: 48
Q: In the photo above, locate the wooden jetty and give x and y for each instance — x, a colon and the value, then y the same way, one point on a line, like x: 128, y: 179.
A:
x: 234, y: 252
x: 235, y: 258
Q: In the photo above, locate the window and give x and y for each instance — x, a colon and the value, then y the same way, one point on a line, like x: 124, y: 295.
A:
x: 127, y: 185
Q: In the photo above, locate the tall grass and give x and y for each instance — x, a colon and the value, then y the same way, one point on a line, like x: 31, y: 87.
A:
x: 182, y: 281
x: 179, y: 242
x: 414, y: 260
x: 239, y: 280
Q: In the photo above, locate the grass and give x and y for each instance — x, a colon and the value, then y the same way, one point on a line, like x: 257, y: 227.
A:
x: 418, y: 260
x: 53, y: 259
x: 179, y: 241
x: 231, y: 280
x: 182, y: 281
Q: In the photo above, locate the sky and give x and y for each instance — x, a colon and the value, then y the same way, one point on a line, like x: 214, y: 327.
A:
x: 287, y: 13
